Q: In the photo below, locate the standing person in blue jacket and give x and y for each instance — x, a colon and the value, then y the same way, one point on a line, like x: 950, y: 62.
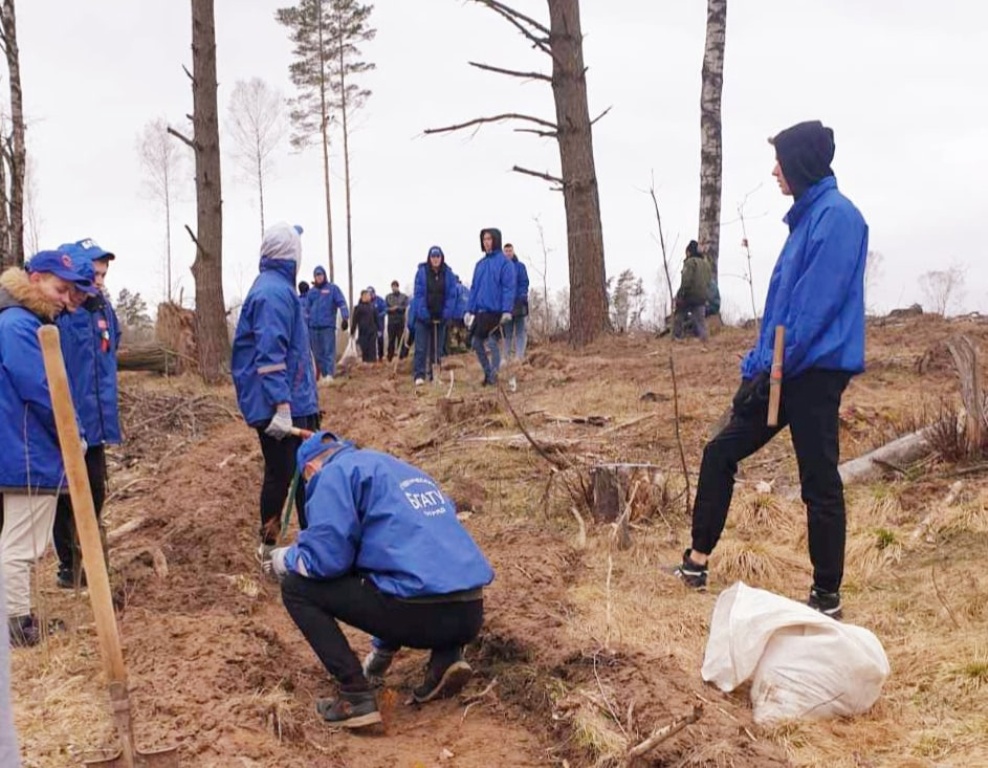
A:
x: 31, y: 470
x: 516, y: 331
x: 384, y: 553
x: 435, y: 294
x: 381, y: 307
x: 492, y: 298
x: 322, y: 301
x: 274, y: 376
x: 90, y: 340
x: 817, y: 294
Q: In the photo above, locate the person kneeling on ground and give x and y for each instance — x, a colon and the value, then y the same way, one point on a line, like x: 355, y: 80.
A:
x: 385, y: 553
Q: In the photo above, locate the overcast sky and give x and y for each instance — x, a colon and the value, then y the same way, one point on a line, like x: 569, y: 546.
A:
x: 901, y: 83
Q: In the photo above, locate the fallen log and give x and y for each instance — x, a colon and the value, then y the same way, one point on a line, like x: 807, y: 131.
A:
x: 154, y: 357
x: 905, y: 450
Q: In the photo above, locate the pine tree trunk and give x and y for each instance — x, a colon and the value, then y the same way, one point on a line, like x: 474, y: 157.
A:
x: 324, y: 107
x: 711, y: 147
x: 585, y: 239
x: 18, y: 156
x: 212, y: 337
x: 5, y: 152
x: 346, y: 177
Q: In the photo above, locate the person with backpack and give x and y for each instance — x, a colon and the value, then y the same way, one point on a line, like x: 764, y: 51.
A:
x: 32, y: 473
x: 694, y: 291
x: 322, y: 301
x: 90, y: 339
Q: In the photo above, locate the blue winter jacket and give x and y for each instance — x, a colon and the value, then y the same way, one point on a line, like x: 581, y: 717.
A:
x: 817, y: 288
x: 271, y: 359
x: 521, y: 277
x: 30, y: 458
x: 322, y: 302
x: 421, y: 287
x: 376, y: 516
x: 494, y: 284
x: 90, y: 340
x: 382, y: 311
x: 462, y: 300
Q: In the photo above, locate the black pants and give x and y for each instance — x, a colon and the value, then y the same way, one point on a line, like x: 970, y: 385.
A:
x: 367, y: 342
x: 810, y: 405
x: 396, y: 327
x: 279, y: 468
x: 317, y: 606
x: 64, y: 533
x: 380, y: 345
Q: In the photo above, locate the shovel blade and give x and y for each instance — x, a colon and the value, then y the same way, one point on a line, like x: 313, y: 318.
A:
x: 162, y: 758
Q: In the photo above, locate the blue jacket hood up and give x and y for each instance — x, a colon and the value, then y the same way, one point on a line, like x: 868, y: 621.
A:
x: 495, y: 280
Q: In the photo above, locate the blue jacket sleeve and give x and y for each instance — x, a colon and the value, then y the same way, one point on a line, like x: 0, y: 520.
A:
x: 271, y: 320
x: 339, y: 302
x: 474, y: 288
x: 327, y: 548
x: 830, y: 266
x: 449, y: 300
x: 522, y: 287
x: 27, y: 374
x: 419, y: 309
x: 509, y: 282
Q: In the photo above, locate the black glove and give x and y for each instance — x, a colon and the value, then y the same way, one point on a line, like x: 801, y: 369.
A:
x: 345, y: 324
x: 752, y: 393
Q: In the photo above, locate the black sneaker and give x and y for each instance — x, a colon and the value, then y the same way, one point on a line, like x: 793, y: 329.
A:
x: 26, y: 631
x: 376, y: 665
x: 66, y: 579
x: 351, y: 709
x: 443, y: 679
x: 690, y: 573
x: 827, y: 603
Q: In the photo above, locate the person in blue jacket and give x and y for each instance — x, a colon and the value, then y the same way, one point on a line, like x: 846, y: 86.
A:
x: 381, y: 307
x: 31, y: 469
x: 90, y: 340
x: 435, y: 291
x: 492, y: 299
x: 384, y: 553
x: 322, y: 301
x: 516, y: 331
x: 816, y: 293
x: 274, y: 375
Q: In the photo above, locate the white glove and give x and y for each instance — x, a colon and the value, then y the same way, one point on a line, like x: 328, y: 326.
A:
x: 468, y: 320
x: 274, y: 565
x: 281, y: 425
x: 505, y: 318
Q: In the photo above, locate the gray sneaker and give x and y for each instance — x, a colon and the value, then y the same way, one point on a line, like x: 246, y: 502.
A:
x: 376, y: 665
x: 350, y: 709
x: 690, y: 573
x: 827, y: 603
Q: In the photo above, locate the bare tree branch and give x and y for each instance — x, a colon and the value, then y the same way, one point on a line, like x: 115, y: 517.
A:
x: 193, y: 236
x: 537, y: 132
x: 600, y: 115
x: 515, y: 18
x: 493, y: 119
x: 539, y: 175
x: 512, y: 72
x: 186, y: 70
x: 184, y: 139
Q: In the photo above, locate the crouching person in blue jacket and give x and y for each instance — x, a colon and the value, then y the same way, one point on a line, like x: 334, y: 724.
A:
x: 384, y: 553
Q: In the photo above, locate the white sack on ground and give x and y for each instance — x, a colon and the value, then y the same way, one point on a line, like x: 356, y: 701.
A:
x: 801, y: 663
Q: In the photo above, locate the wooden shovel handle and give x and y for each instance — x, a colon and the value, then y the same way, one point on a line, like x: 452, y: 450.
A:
x: 82, y: 505
x: 775, y: 379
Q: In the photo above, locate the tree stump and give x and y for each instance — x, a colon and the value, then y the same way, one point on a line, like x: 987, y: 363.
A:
x: 615, y: 494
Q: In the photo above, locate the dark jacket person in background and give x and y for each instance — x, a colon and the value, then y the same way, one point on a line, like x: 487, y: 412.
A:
x: 817, y: 294
x: 694, y: 290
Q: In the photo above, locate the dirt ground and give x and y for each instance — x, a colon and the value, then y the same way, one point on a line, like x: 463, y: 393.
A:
x: 587, y: 648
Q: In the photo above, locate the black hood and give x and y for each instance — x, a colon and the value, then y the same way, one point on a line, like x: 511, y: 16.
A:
x: 805, y: 152
x: 495, y: 233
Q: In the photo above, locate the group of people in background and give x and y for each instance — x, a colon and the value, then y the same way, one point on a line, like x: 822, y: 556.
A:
x: 492, y: 311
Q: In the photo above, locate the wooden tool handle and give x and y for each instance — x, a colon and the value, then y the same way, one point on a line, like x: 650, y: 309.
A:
x: 775, y: 380
x: 82, y: 505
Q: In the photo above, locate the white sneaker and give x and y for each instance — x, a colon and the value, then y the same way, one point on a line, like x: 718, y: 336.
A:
x: 419, y: 382
x: 512, y: 384
x: 325, y: 381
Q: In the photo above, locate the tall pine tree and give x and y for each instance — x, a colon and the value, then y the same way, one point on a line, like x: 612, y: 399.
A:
x: 349, y: 28
x: 311, y: 73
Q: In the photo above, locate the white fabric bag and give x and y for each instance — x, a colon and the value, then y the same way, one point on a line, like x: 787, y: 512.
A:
x: 801, y: 663
x: 350, y: 354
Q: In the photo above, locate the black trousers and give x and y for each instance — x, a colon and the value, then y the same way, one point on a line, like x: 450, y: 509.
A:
x: 279, y: 468
x: 317, y: 606
x: 380, y: 345
x: 810, y: 404
x: 64, y: 533
x: 396, y: 327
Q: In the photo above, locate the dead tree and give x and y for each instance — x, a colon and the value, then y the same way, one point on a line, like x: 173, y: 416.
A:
x: 711, y: 145
x: 15, y: 150
x: 211, y: 332
x: 562, y: 41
